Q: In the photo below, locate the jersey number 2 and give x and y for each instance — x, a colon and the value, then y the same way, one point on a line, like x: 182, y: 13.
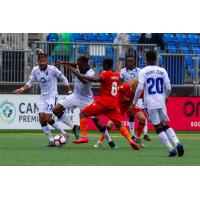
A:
x: 158, y: 83
x: 114, y: 89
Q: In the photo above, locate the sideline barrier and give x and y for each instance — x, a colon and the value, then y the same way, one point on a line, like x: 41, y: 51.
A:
x: 20, y: 112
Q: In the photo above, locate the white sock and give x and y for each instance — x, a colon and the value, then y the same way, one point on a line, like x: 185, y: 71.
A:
x: 131, y: 127
x: 57, y: 126
x: 164, y: 139
x: 106, y: 135
x: 145, y: 128
x: 66, y: 120
x: 47, y: 132
x: 172, y: 136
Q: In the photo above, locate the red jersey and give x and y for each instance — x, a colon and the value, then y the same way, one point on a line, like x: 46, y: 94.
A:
x: 109, y: 88
x: 126, y: 95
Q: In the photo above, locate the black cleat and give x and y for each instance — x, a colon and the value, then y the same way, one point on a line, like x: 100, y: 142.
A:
x: 139, y: 141
x: 172, y: 153
x: 133, y: 137
x: 147, y: 138
x: 180, y: 149
x: 112, y: 145
x: 50, y: 144
x: 76, y: 130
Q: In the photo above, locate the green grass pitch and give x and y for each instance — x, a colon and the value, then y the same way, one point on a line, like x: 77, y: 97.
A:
x: 25, y: 149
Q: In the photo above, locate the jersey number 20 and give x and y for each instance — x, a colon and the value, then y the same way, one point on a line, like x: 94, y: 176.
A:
x: 156, y: 85
x: 114, y: 89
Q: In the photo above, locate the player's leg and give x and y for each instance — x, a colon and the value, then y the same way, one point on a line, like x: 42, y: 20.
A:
x: 171, y: 133
x: 48, y: 117
x: 155, y: 120
x: 115, y: 116
x: 58, y: 110
x: 46, y: 129
x: 104, y: 134
x: 138, y: 114
x: 89, y: 110
x: 42, y: 108
x: 145, y: 131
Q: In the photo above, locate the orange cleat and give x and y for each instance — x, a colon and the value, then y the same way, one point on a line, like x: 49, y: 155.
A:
x: 81, y: 140
x: 134, y: 145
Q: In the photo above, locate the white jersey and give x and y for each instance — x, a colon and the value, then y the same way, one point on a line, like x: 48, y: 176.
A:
x: 155, y: 80
x: 47, y: 80
x: 127, y: 74
x: 83, y: 91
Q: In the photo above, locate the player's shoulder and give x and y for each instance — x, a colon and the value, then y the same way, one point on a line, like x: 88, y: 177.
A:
x: 90, y: 72
x: 36, y: 68
x: 123, y: 70
x: 52, y: 67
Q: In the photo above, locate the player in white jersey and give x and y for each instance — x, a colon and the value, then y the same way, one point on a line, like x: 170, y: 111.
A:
x: 81, y: 96
x: 157, y: 88
x: 47, y: 76
x: 129, y: 72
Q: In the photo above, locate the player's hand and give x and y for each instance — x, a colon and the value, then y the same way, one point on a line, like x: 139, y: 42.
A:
x: 17, y: 91
x: 130, y: 109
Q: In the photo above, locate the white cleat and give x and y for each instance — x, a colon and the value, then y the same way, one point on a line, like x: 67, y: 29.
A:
x: 97, y: 145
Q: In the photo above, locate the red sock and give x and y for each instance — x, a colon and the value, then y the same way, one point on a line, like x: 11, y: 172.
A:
x: 140, y: 128
x: 84, y: 126
x: 101, y: 138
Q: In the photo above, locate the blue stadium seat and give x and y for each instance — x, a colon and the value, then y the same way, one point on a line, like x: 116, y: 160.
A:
x: 193, y: 38
x: 77, y: 37
x: 97, y: 62
x: 105, y: 37
x: 82, y: 48
x: 114, y: 35
x: 190, y: 65
x: 172, y: 48
x: 185, y: 49
x: 53, y: 37
x: 195, y: 49
x: 92, y: 37
x: 133, y: 38
x: 182, y: 38
x: 169, y: 38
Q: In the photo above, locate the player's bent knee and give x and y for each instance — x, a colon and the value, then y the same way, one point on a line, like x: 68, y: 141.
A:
x: 166, y: 127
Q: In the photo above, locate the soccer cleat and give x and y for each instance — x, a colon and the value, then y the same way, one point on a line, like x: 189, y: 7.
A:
x: 180, y: 149
x: 139, y: 141
x: 98, y: 144
x: 172, y: 153
x: 81, y: 140
x: 112, y: 145
x: 133, y: 137
x: 50, y: 144
x: 134, y: 145
x: 147, y: 138
x: 76, y: 130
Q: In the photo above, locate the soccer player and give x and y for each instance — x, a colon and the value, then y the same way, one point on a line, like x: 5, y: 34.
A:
x: 125, y: 99
x: 47, y: 76
x: 126, y: 74
x: 107, y: 103
x: 81, y: 96
x: 157, y: 88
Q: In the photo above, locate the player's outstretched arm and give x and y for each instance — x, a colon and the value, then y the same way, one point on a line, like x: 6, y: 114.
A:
x: 67, y: 64
x: 88, y: 78
x: 21, y: 90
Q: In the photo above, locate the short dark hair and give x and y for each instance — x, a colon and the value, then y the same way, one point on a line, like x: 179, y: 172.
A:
x: 151, y: 56
x: 108, y: 62
x: 83, y: 59
x: 40, y: 55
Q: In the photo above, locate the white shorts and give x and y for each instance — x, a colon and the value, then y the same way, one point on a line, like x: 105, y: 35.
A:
x: 72, y: 102
x: 156, y: 116
x: 46, y: 104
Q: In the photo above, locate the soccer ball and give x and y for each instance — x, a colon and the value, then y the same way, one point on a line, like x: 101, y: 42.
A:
x: 59, y: 140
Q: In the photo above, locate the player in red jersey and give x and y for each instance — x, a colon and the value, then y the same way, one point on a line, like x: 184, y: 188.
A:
x: 107, y: 103
x: 125, y: 97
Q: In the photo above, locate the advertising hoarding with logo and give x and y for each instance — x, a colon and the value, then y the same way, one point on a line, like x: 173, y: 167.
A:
x: 21, y: 112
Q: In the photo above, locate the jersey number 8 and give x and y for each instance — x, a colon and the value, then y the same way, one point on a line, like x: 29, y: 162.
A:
x: 114, y: 89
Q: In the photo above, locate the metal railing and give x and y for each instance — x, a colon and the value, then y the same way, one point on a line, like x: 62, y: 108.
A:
x: 16, y: 65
